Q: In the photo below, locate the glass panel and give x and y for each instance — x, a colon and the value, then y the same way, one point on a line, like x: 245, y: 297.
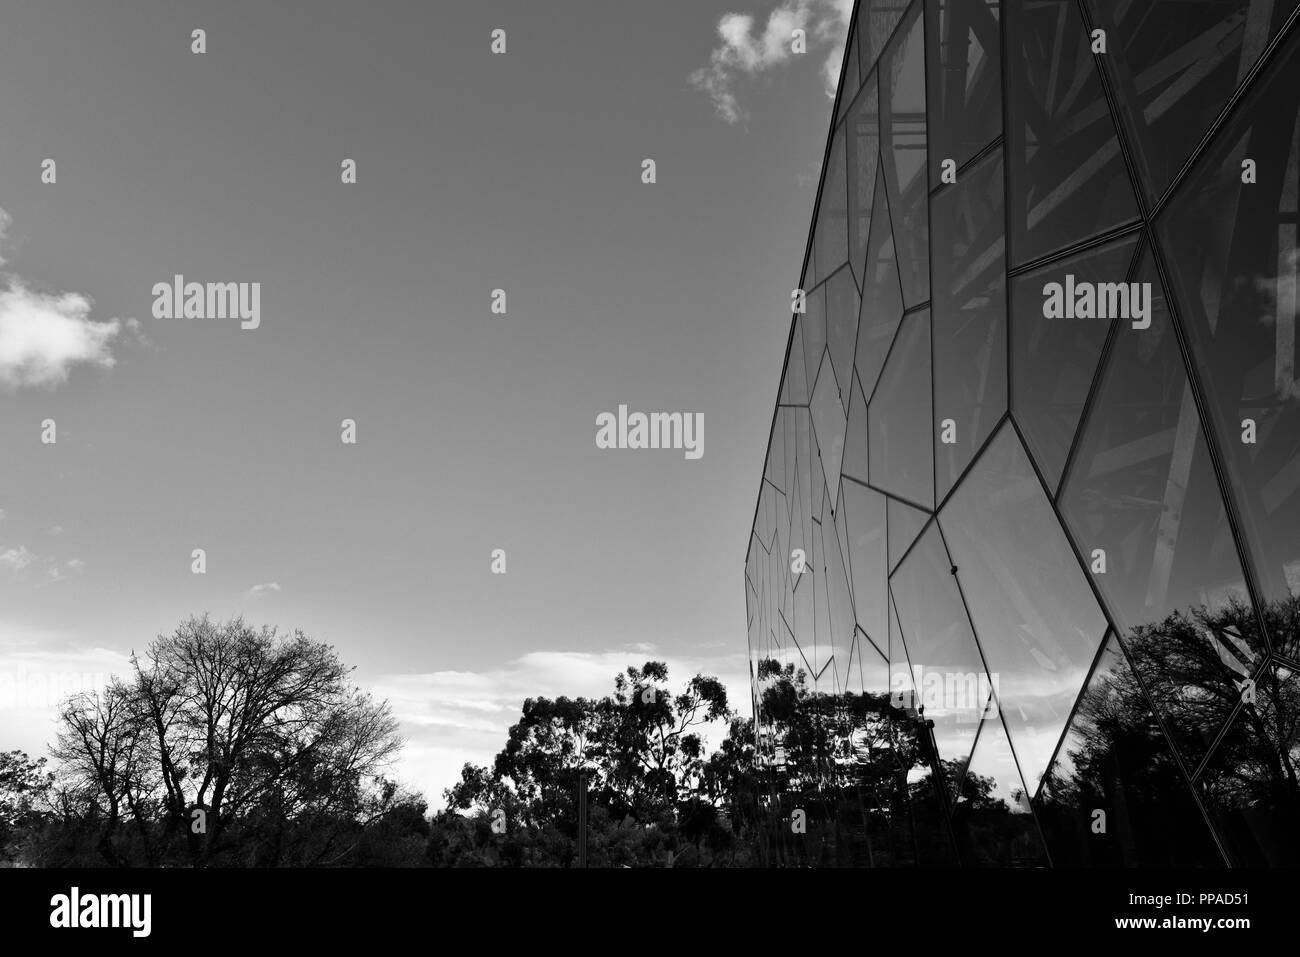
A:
x: 905, y: 523
x: 947, y: 670
x: 1173, y: 65
x: 813, y: 325
x: 794, y: 386
x: 874, y: 668
x: 970, y: 317
x: 964, y: 59
x: 1034, y: 614
x: 849, y: 83
x: 1115, y: 760
x: 840, y: 638
x: 828, y: 425
x: 864, y: 513
x: 992, y: 821
x: 820, y: 637
x: 1249, y: 785
x: 855, y: 442
x: 841, y: 329
x: 1142, y: 497
x: 832, y: 236
x: 1053, y: 360
x: 902, y: 690
x: 898, y: 417
x: 1232, y: 254
x: 902, y: 107
x: 1066, y: 174
x: 882, y: 297
x: 863, y: 131
x: 877, y: 20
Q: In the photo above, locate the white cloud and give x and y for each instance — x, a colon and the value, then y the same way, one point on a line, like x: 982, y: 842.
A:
x: 43, y: 335
x: 266, y: 588
x: 16, y: 559
x: 453, y: 717
x: 745, y: 51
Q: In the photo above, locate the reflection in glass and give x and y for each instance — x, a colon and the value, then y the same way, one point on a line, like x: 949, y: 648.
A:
x: 841, y: 329
x: 992, y: 821
x: 1065, y: 170
x: 1034, y: 615
x: 1115, y: 760
x: 849, y: 84
x: 832, y: 233
x: 877, y: 20
x: 864, y: 511
x: 863, y: 132
x: 898, y: 418
x: 882, y: 298
x: 1231, y: 250
x: 1173, y: 66
x: 828, y: 425
x: 1249, y: 787
x: 1053, y: 360
x: 854, y: 463
x: 969, y: 317
x: 794, y: 387
x: 948, y: 672
x: 905, y: 523
x: 902, y: 124
x: 840, y: 638
x: 964, y: 47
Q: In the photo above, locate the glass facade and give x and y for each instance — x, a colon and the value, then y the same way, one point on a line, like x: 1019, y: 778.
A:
x: 1023, y: 585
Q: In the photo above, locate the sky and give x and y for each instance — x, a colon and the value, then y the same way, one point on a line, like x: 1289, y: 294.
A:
x: 475, y: 430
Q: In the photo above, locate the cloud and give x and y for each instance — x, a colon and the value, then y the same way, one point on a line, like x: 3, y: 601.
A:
x: 452, y: 717
x: 746, y: 52
x: 260, y: 591
x: 43, y: 335
x: 16, y: 559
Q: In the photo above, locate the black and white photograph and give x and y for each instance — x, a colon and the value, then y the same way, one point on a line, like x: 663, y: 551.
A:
x: 849, y: 444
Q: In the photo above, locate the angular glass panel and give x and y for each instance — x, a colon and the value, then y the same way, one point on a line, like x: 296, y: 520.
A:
x: 1066, y: 173
x: 855, y: 441
x: 841, y: 329
x: 963, y: 56
x: 828, y: 425
x: 905, y: 523
x: 1173, y: 65
x: 1034, y: 615
x: 1142, y: 487
x: 863, y: 132
x: 1114, y: 759
x: 813, y: 326
x: 1249, y: 785
x: 775, y: 471
x: 864, y: 514
x: 832, y: 235
x: 877, y: 20
x: 1232, y: 254
x: 874, y: 668
x: 992, y: 820
x: 849, y: 82
x: 821, y: 634
x: 840, y: 638
x: 1053, y: 360
x: 794, y: 386
x: 947, y: 669
x: 898, y: 417
x: 969, y: 317
x: 902, y: 690
x: 882, y: 297
x: 902, y: 126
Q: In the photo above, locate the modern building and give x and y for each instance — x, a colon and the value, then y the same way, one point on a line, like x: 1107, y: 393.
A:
x: 1023, y: 585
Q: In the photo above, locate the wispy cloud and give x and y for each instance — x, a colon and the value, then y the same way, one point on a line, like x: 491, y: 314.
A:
x: 266, y: 588
x: 16, y: 559
x: 746, y: 51
x: 43, y: 335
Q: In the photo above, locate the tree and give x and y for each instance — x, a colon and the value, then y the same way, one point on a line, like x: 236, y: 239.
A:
x: 24, y: 783
x: 230, y: 745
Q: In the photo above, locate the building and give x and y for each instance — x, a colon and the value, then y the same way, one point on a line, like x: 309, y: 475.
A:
x: 1032, y: 490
